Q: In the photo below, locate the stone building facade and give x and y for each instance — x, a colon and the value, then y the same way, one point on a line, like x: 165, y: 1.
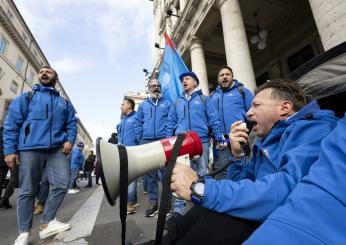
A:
x: 259, y: 39
x: 20, y: 61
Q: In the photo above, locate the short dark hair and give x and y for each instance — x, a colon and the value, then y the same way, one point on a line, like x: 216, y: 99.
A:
x: 285, y: 90
x: 132, y: 103
x: 225, y: 67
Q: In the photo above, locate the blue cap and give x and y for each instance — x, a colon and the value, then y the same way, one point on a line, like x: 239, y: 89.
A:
x: 189, y: 73
x: 80, y: 144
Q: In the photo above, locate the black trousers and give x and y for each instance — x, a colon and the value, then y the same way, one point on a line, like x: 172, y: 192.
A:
x: 13, y: 180
x: 202, y: 226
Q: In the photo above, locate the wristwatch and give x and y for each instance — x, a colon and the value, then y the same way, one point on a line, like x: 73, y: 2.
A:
x: 197, y: 191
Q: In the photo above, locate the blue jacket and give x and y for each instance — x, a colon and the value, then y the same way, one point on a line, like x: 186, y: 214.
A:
x: 77, y: 158
x: 126, y: 130
x: 231, y: 104
x: 44, y: 122
x: 315, y: 212
x: 150, y: 120
x: 197, y: 114
x: 279, y: 162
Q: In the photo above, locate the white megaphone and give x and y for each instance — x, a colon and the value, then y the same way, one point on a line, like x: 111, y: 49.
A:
x: 141, y: 160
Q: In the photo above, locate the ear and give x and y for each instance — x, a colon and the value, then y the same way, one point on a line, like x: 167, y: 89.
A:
x: 286, y: 108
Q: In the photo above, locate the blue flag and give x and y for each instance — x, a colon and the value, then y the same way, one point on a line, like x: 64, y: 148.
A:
x: 172, y: 66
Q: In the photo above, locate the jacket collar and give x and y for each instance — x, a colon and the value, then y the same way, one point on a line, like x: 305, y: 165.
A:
x: 235, y: 84
x: 43, y: 89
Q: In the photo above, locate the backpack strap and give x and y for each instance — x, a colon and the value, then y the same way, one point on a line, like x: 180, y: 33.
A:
x: 242, y: 93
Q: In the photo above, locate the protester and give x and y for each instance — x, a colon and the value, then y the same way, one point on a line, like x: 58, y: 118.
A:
x: 89, y: 167
x: 76, y: 164
x: 127, y: 137
x: 228, y: 211
x: 150, y: 125
x: 97, y: 172
x: 113, y: 139
x: 193, y: 111
x: 39, y: 132
x: 233, y: 101
x: 315, y: 211
x: 5, y: 199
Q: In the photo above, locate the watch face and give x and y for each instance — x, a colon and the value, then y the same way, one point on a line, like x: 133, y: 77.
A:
x: 199, y: 188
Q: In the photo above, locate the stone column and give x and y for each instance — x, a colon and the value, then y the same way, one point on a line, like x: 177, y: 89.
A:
x: 330, y: 18
x: 198, y: 64
x: 182, y: 4
x: 236, y: 45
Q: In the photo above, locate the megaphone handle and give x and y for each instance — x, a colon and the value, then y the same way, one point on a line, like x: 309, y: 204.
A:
x: 123, y: 183
x: 166, y: 189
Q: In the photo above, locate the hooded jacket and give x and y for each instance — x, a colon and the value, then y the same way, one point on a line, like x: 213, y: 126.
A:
x: 44, y: 122
x: 315, y: 212
x: 77, y: 158
x: 231, y: 104
x: 151, y: 117
x: 126, y: 131
x: 279, y: 162
x: 197, y: 114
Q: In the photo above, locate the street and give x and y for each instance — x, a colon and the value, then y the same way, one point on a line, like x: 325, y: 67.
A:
x: 92, y: 219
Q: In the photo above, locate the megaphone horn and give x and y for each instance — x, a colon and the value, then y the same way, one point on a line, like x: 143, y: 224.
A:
x: 141, y: 160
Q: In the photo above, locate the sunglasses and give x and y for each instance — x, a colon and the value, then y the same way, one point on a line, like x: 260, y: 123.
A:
x: 155, y: 86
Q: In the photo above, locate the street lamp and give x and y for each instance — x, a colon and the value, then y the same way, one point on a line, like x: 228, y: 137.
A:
x: 156, y: 45
x: 169, y: 12
x: 260, y: 38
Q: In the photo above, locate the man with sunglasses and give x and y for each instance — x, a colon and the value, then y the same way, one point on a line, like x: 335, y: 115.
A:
x: 149, y: 126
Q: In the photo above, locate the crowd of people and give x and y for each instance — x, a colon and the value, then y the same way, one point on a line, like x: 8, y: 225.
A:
x: 259, y: 186
x: 286, y: 187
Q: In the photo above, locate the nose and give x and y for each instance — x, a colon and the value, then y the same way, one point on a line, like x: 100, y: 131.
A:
x: 250, y: 112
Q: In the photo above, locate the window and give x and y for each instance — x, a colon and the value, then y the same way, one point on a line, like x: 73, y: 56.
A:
x: 299, y: 58
x: 3, y: 44
x: 30, y: 77
x: 19, y: 64
x: 264, y: 77
x: 25, y: 37
x: 9, y: 14
x: 2, y: 73
x: 14, y: 87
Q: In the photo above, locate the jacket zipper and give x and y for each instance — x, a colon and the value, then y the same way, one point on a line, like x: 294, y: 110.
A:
x: 223, y: 115
x: 51, y: 121
x: 155, y: 123
x: 188, y: 112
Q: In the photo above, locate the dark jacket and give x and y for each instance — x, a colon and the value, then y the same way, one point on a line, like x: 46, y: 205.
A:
x: 89, y: 163
x: 2, y: 157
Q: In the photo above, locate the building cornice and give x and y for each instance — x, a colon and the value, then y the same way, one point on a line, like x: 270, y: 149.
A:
x: 14, y: 34
x: 189, y: 22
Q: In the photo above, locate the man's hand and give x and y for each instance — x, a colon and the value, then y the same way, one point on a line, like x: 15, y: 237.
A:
x: 11, y: 160
x: 67, y: 147
x: 182, y: 178
x: 221, y: 145
x: 238, y: 136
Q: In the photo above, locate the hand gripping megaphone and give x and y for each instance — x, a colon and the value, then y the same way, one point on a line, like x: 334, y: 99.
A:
x: 141, y: 160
